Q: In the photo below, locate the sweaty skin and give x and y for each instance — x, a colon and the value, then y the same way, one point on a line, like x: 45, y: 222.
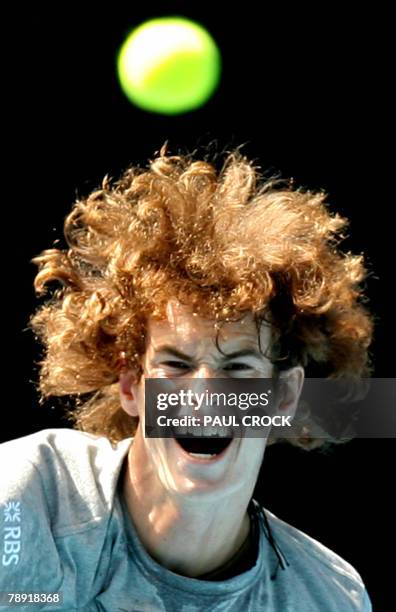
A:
x: 190, y: 513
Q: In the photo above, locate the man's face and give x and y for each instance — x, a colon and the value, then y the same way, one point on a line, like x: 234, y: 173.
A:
x: 184, y: 346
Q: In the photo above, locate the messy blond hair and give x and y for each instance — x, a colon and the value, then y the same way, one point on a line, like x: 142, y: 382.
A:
x: 226, y: 242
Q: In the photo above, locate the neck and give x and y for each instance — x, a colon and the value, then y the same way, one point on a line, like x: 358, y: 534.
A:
x: 189, y: 536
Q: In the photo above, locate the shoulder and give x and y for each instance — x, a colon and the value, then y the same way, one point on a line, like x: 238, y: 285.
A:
x: 317, y: 564
x: 57, y: 484
x: 70, y: 468
x: 66, y: 441
x: 310, y: 549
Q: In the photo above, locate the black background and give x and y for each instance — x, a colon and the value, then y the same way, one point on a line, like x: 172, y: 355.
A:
x: 308, y: 90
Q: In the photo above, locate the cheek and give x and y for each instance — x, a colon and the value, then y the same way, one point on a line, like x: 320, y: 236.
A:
x: 139, y: 392
x: 158, y: 372
x: 263, y: 371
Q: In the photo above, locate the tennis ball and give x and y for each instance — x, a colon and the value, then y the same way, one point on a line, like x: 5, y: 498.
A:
x: 169, y: 65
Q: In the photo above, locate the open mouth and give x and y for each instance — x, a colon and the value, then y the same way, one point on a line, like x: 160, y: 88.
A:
x: 204, y: 447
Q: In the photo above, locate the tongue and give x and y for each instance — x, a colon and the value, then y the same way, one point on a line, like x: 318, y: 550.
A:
x: 204, y: 446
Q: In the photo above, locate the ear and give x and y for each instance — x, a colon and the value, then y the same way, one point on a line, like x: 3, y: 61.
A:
x: 128, y: 388
x: 292, y: 381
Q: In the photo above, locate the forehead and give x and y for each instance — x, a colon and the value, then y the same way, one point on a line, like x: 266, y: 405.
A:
x: 185, y: 328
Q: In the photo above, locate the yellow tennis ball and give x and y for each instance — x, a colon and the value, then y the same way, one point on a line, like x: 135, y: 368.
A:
x: 169, y: 65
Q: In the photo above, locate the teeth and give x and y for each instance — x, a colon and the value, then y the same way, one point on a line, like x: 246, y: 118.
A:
x: 202, y: 455
x: 201, y: 431
x: 222, y: 432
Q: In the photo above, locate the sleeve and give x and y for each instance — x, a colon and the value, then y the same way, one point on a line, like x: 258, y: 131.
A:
x: 29, y: 557
x: 366, y: 603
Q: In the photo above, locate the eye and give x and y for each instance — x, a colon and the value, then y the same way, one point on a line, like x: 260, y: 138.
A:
x: 237, y: 366
x: 180, y: 365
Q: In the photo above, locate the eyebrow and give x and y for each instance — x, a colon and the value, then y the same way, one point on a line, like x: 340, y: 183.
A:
x: 247, y: 352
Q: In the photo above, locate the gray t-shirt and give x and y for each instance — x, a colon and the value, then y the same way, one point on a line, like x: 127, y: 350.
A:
x: 65, y: 529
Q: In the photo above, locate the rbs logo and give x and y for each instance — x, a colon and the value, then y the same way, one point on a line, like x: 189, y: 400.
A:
x: 12, y: 533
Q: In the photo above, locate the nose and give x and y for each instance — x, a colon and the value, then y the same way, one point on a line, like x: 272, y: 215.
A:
x: 202, y: 376
x: 205, y: 370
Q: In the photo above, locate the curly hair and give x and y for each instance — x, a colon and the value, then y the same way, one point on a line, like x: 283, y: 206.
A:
x: 226, y: 242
